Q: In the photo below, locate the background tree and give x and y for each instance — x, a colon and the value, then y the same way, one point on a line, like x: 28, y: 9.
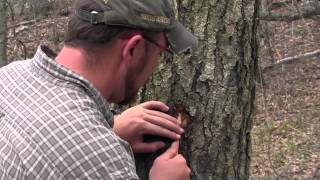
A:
x: 216, y: 86
x: 3, y: 34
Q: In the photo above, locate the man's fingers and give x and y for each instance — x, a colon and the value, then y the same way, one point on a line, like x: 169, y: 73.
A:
x: 148, y: 147
x: 163, y: 123
x: 155, y: 105
x: 160, y: 131
x: 163, y: 115
x: 171, y: 152
x: 159, y: 118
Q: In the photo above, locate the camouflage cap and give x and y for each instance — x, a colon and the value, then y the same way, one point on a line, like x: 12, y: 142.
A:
x: 155, y: 15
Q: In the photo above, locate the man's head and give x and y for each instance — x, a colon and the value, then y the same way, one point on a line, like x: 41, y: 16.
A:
x: 142, y: 29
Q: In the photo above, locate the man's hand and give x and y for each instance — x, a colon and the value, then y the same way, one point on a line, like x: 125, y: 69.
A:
x: 170, y: 165
x: 146, y: 118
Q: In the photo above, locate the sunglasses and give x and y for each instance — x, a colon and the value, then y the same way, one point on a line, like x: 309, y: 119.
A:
x: 166, y: 54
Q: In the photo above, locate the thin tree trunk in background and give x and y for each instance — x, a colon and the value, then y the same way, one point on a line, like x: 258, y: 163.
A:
x: 216, y: 86
x: 3, y: 32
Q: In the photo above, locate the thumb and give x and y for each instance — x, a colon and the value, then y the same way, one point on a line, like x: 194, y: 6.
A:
x: 171, y: 152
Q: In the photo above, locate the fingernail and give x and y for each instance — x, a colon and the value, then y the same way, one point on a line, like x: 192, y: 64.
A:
x: 161, y: 145
x: 178, y: 136
x: 181, y: 130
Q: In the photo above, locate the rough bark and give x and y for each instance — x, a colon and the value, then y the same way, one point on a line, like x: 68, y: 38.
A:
x: 3, y: 34
x: 216, y: 86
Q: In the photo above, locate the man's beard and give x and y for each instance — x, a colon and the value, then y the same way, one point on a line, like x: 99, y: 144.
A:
x: 131, y: 89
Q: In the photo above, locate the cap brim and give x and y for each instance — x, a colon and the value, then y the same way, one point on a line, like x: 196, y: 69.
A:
x: 181, y: 40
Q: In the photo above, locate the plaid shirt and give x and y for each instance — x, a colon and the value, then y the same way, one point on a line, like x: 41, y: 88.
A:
x: 55, y: 125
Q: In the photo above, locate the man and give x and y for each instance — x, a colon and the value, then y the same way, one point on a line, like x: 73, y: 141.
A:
x: 55, y: 118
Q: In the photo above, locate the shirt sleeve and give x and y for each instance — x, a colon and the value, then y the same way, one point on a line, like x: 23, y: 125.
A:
x: 86, y: 149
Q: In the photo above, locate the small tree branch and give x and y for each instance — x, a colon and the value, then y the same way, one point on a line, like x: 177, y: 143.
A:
x: 294, y: 58
x: 24, y: 48
x: 279, y: 4
x: 23, y: 23
x: 307, y: 11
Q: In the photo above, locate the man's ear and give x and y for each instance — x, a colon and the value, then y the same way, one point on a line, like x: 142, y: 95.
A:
x: 133, y: 47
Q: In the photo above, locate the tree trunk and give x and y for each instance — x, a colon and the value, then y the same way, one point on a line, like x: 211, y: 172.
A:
x: 216, y: 86
x: 3, y: 34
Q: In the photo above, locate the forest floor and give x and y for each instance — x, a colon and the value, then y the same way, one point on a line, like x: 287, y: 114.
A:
x: 286, y: 131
